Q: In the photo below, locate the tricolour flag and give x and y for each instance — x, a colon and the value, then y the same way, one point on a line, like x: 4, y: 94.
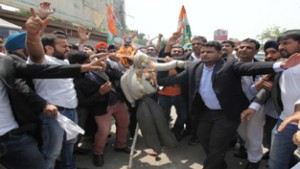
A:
x: 184, y: 27
x: 113, y: 25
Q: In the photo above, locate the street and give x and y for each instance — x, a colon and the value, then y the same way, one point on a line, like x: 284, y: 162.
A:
x: 182, y: 157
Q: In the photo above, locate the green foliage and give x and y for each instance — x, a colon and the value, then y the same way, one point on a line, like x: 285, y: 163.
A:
x: 270, y: 33
x: 24, y: 12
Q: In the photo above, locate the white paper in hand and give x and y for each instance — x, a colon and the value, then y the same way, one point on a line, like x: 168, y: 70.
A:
x: 71, y: 128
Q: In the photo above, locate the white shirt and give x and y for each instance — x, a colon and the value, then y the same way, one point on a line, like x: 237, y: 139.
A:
x: 248, y: 86
x: 206, y: 90
x: 195, y: 58
x: 290, y: 90
x: 59, y: 92
x: 7, y: 120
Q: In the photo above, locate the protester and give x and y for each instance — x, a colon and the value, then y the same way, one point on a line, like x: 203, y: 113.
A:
x: 102, y: 96
x: 171, y: 95
x: 251, y: 131
x: 19, y: 150
x: 218, y: 116
x: 285, y: 95
x: 227, y: 49
x: 59, y: 92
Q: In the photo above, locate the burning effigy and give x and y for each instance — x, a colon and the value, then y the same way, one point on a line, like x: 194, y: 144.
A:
x: 138, y: 84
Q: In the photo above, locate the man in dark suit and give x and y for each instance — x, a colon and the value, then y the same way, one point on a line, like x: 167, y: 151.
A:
x: 216, y: 98
x: 19, y: 150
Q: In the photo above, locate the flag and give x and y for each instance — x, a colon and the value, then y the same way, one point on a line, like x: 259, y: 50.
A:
x: 184, y: 27
x: 113, y: 25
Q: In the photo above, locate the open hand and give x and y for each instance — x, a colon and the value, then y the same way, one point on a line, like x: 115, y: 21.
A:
x: 83, y: 34
x: 294, y: 118
x: 45, y: 10
x: 175, y: 38
x: 291, y: 61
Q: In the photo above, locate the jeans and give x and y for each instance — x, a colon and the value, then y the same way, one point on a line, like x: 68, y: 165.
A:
x: 54, y: 140
x: 282, y: 146
x: 21, y: 151
x: 178, y: 101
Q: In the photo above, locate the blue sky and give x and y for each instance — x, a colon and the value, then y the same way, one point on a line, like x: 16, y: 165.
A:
x: 241, y: 18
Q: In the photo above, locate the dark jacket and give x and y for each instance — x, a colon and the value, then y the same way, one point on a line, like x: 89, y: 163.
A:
x: 226, y: 81
x: 88, y: 90
x: 275, y: 94
x: 10, y: 70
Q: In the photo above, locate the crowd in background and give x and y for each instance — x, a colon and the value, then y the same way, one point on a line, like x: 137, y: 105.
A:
x: 224, y: 98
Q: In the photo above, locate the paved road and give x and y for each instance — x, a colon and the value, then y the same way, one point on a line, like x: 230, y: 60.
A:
x: 182, y: 157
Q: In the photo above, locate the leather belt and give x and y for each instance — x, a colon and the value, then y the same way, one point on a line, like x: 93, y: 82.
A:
x: 64, y: 108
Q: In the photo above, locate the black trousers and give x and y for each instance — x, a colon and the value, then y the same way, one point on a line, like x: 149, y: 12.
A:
x: 215, y: 132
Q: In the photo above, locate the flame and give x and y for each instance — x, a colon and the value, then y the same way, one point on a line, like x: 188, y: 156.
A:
x: 126, y: 53
x: 151, y: 74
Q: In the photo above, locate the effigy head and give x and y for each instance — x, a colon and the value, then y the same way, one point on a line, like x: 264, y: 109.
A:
x: 141, y: 60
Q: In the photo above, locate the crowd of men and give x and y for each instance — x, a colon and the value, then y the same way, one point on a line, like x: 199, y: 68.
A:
x: 223, y: 97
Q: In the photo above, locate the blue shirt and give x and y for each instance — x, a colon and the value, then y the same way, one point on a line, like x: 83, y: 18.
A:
x: 206, y: 90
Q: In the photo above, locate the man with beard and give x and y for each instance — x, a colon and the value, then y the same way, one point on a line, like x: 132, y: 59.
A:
x: 59, y: 92
x: 171, y: 95
x: 151, y: 51
x: 285, y: 95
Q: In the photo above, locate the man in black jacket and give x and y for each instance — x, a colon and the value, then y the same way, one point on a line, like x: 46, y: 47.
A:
x: 19, y: 150
x: 100, y: 93
x: 216, y: 98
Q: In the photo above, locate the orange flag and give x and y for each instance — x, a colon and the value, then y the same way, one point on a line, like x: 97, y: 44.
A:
x: 111, y: 21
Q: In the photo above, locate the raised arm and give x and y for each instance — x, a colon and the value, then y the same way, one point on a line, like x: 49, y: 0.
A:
x: 180, y: 79
x: 171, y: 41
x: 169, y: 65
x: 35, y: 28
x: 159, y: 41
x: 83, y: 35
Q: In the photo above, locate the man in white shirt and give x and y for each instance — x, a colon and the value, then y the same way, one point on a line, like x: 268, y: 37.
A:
x: 286, y: 97
x: 282, y: 147
x: 59, y: 92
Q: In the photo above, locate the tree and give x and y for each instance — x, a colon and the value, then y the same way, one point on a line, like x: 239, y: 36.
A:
x: 271, y: 32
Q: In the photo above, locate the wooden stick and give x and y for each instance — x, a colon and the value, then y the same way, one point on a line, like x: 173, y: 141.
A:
x: 133, y: 146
